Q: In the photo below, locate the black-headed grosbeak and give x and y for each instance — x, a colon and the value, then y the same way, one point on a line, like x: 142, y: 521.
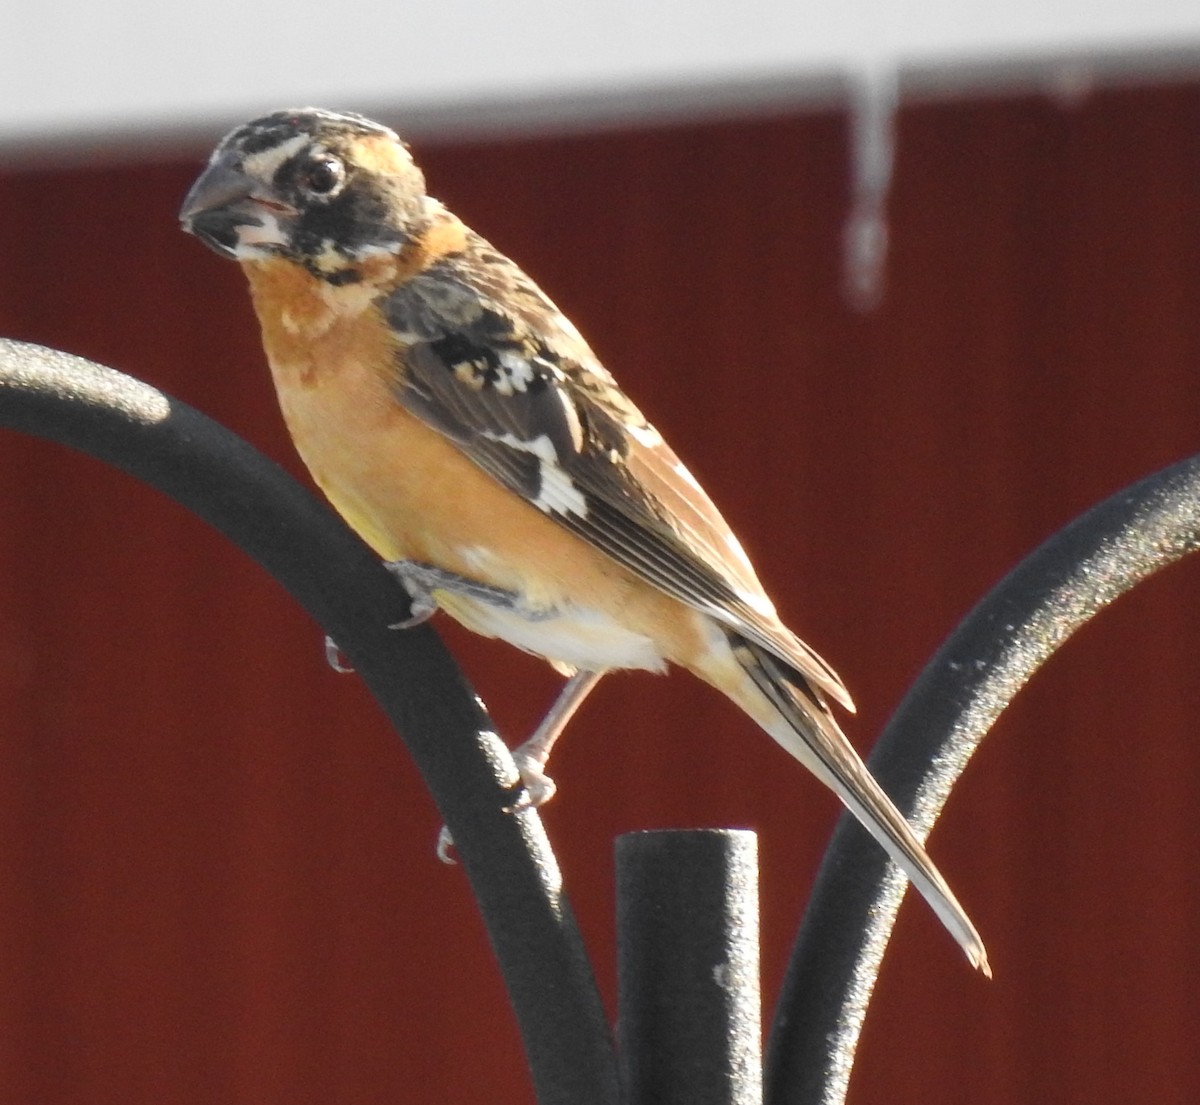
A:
x: 460, y: 423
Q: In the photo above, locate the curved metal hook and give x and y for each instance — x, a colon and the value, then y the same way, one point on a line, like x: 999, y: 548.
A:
x: 926, y: 745
x: 337, y: 579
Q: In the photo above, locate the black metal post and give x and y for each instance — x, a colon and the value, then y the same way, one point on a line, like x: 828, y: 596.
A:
x: 688, y: 1029
x: 687, y: 901
x: 923, y: 750
x: 341, y: 583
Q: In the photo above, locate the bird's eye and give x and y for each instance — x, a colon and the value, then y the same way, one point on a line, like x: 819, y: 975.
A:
x: 323, y: 176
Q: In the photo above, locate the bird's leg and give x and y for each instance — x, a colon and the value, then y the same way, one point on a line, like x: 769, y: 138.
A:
x: 531, y: 756
x: 421, y: 580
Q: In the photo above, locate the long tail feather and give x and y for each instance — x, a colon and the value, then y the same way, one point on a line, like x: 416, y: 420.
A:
x: 813, y: 737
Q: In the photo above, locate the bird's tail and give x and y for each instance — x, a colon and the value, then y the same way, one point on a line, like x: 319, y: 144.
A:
x: 812, y: 735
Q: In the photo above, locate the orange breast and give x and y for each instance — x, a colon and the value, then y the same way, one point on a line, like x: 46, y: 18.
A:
x: 408, y: 490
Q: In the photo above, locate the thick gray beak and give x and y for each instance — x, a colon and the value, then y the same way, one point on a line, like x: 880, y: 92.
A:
x: 218, y: 205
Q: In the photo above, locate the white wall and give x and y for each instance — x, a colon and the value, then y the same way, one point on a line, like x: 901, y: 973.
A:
x: 71, y: 68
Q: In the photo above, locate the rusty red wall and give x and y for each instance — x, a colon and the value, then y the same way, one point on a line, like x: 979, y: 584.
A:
x: 217, y: 880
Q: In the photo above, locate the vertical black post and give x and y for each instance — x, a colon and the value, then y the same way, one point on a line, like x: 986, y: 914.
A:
x: 689, y: 1022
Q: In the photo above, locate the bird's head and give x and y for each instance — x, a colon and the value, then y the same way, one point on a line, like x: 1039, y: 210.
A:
x: 322, y: 189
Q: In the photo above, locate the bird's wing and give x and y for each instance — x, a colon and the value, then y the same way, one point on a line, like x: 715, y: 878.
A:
x: 488, y: 361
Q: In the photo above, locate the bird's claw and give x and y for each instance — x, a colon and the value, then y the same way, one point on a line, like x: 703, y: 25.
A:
x: 537, y: 788
x: 334, y: 657
x: 421, y: 580
x: 445, y: 842
x: 418, y: 581
x: 420, y: 610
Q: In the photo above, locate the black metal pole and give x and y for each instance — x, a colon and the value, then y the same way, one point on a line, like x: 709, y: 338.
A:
x: 689, y: 1024
x: 337, y: 579
x: 926, y: 746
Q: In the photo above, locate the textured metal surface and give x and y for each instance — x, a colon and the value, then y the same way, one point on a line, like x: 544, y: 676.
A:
x: 926, y: 745
x: 334, y: 576
x: 688, y: 967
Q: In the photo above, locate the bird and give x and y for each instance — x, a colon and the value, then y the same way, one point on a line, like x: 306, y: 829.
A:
x: 463, y: 427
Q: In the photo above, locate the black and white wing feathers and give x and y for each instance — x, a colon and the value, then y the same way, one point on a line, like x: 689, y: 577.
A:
x: 491, y: 363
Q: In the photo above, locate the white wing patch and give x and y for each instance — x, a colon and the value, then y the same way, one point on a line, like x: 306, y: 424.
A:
x: 557, y: 492
x: 517, y: 376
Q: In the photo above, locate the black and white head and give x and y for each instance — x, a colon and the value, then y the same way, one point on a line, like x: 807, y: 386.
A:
x: 323, y: 189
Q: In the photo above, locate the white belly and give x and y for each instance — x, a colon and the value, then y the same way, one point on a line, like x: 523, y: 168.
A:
x: 578, y: 637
